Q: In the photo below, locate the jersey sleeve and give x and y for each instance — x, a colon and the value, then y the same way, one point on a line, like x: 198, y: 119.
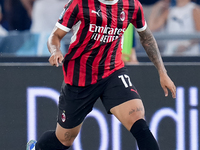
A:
x: 138, y: 19
x: 68, y: 16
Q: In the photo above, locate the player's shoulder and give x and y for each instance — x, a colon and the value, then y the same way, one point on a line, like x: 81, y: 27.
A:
x: 136, y: 3
x: 82, y: 2
x: 132, y: 1
x: 73, y: 2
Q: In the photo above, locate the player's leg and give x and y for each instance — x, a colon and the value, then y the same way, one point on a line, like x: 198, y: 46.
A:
x: 67, y: 136
x: 131, y: 115
x: 121, y: 98
x: 74, y: 105
x: 60, y: 139
x: 129, y: 112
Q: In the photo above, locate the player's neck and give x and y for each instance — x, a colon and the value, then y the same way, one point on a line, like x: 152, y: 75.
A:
x: 108, y: 2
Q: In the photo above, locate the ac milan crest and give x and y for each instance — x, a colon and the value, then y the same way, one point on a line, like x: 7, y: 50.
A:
x: 122, y: 15
x: 63, y: 116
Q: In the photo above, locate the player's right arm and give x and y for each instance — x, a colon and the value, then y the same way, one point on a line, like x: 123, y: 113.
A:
x: 53, y: 45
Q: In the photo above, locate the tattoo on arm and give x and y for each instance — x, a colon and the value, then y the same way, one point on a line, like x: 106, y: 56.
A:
x: 135, y: 110
x: 149, y: 43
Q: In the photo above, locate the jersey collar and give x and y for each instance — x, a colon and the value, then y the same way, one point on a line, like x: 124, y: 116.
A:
x: 107, y: 2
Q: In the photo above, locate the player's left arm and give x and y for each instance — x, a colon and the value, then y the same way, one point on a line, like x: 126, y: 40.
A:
x: 150, y: 45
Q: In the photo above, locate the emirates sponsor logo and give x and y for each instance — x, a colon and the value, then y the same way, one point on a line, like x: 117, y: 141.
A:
x: 105, y: 34
x: 103, y: 38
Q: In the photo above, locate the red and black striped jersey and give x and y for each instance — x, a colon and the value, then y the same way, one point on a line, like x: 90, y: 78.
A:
x: 98, y: 25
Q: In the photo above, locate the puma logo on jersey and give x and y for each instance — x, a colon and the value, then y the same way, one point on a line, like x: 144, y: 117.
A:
x: 96, y: 12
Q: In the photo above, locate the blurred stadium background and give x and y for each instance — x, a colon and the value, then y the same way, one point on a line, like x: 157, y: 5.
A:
x: 29, y: 88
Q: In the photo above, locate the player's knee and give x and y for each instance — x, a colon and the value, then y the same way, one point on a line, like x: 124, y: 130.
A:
x: 49, y: 141
x: 65, y: 139
x: 139, y: 115
x: 67, y: 142
x: 67, y: 136
x: 132, y: 118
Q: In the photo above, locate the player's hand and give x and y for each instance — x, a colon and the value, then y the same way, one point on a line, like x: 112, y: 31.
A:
x: 56, y: 58
x: 166, y: 83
